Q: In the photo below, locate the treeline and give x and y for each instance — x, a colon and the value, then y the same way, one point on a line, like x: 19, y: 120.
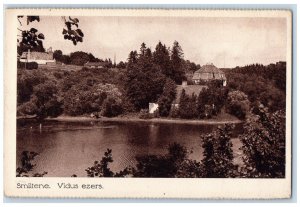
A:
x: 149, y: 77
x: 44, y: 93
x: 80, y: 58
x: 149, y: 72
x: 263, y: 84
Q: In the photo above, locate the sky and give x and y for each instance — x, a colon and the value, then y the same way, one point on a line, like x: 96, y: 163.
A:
x: 225, y: 42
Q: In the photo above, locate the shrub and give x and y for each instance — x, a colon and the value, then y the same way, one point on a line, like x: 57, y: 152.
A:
x: 174, y: 113
x: 111, y: 107
x: 28, y: 66
x: 238, y: 104
x: 27, y: 166
x: 144, y: 114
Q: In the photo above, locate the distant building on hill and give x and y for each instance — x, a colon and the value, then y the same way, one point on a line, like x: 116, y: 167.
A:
x: 96, y: 65
x: 40, y: 58
x: 208, y: 73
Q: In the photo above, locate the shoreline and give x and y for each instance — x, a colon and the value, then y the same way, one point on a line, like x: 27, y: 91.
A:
x: 153, y: 120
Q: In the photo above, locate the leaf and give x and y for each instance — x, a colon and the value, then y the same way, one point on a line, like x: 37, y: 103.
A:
x: 64, y: 31
x: 80, y: 32
x: 75, y: 20
x: 41, y: 36
x: 33, y: 30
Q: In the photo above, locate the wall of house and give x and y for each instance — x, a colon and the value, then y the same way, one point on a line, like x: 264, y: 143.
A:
x: 153, y: 107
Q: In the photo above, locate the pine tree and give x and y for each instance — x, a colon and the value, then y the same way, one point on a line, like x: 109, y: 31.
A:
x: 177, y: 73
x: 167, y: 97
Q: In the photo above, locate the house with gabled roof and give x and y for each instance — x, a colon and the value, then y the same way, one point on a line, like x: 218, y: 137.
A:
x: 208, y: 73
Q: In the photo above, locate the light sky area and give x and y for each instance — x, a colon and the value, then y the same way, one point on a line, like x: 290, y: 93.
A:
x: 225, y: 42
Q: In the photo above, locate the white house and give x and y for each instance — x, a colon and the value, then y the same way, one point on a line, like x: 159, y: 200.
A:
x: 40, y: 58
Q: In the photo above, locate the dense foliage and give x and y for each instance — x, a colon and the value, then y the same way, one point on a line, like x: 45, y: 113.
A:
x: 264, y: 144
x: 238, y: 104
x: 148, y: 71
x: 28, y: 65
x: 167, y: 97
x: 266, y: 84
x: 27, y: 166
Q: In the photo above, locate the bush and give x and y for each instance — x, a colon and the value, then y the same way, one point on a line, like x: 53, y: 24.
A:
x: 174, y: 112
x: 144, y: 114
x: 28, y: 66
x: 111, y: 107
x: 238, y: 104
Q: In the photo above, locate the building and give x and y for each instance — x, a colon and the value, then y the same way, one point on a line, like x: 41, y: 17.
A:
x: 208, y: 73
x: 40, y: 58
x: 153, y: 107
x: 96, y: 65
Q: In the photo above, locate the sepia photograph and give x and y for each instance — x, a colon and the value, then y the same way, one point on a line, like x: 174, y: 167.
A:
x: 144, y: 95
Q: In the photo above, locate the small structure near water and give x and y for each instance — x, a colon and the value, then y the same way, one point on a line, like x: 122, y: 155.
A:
x: 153, y: 107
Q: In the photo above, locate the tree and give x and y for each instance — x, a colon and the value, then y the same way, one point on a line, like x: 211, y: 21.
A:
x: 161, y: 58
x: 177, y: 73
x: 143, y: 50
x: 47, y: 100
x: 167, y: 97
x: 164, y: 166
x: 66, y: 59
x: 238, y: 104
x: 111, y: 107
x: 264, y: 144
x: 121, y: 64
x: 79, y: 58
x: 58, y: 55
x: 144, y: 82
x: 132, y: 58
x: 27, y: 166
x: 101, y: 169
x: 187, y: 106
x: 33, y: 40
x: 218, y: 154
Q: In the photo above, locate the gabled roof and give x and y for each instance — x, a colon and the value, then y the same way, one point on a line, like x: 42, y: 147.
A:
x: 208, y: 72
x: 209, y: 68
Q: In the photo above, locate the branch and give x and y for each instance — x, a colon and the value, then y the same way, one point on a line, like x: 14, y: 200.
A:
x: 19, y: 22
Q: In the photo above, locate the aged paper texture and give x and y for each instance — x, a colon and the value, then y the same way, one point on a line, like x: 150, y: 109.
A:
x: 129, y: 103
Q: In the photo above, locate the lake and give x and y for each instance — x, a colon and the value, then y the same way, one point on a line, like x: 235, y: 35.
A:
x: 68, y: 148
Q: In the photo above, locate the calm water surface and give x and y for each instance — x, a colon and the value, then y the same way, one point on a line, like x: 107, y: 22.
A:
x: 68, y: 148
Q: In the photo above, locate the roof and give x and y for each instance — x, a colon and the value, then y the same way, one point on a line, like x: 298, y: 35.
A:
x: 189, y: 90
x: 96, y: 64
x: 208, y: 72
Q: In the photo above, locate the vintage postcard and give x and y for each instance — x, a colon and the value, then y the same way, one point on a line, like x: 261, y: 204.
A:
x: 112, y: 103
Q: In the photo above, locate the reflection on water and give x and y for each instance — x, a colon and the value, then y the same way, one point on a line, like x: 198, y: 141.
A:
x: 68, y: 148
